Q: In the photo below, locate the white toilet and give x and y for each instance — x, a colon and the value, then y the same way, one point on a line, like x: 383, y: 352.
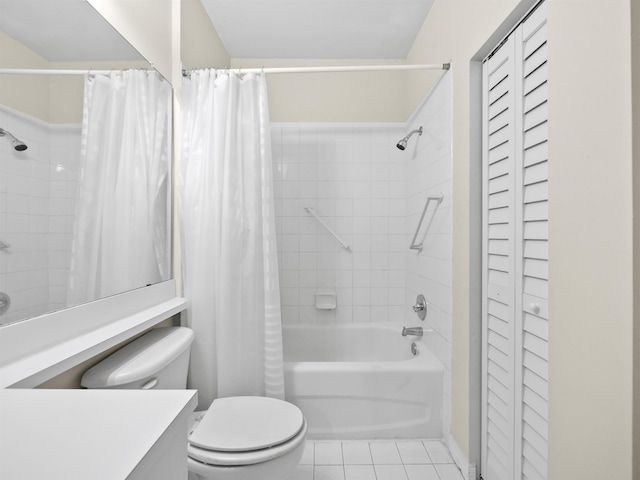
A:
x: 237, y: 438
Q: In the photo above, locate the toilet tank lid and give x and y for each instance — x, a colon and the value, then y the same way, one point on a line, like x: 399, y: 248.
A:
x: 142, y: 358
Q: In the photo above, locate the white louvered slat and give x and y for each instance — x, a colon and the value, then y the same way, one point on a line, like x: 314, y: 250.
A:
x: 498, y: 215
x: 499, y: 231
x: 536, y: 325
x: 536, y: 364
x: 498, y: 262
x: 499, y: 200
x: 535, y: 173
x: 499, y: 373
x: 534, y: 79
x: 536, y: 116
x: 536, y: 192
x: 536, y: 345
x: 499, y: 184
x: 536, y: 211
x: 536, y: 249
x: 536, y: 402
x: 536, y: 154
x: 535, y: 98
x: 501, y: 120
x: 535, y: 59
x: 536, y: 421
x: 515, y: 249
x: 533, y: 438
x: 497, y: 324
x: 536, y: 384
x: 536, y: 135
x: 529, y: 472
x: 499, y: 168
x: 499, y: 153
x: 536, y: 268
x: 535, y: 287
x: 499, y: 90
x: 536, y: 230
x: 499, y: 294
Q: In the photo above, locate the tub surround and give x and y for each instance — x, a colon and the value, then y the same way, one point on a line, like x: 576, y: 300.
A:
x: 97, y: 434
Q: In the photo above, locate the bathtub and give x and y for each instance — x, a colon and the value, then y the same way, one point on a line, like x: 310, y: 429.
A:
x: 361, y: 381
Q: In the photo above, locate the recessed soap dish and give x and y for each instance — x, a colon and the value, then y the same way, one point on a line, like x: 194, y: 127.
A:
x: 326, y: 300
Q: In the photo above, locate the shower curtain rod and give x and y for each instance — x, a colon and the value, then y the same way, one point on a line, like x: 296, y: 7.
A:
x: 351, y: 68
x: 36, y: 71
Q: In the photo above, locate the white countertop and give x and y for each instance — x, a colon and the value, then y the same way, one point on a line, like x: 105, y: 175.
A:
x: 84, y: 434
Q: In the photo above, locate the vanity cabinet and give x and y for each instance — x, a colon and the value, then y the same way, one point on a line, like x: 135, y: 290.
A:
x: 96, y: 434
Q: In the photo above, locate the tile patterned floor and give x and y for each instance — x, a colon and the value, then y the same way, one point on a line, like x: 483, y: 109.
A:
x: 376, y: 460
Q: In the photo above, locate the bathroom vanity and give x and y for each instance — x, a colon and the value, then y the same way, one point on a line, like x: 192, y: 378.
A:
x: 96, y: 434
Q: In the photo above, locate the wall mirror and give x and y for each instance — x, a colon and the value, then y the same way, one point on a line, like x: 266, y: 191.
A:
x: 80, y: 217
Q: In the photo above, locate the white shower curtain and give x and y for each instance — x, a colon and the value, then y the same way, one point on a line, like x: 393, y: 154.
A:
x: 120, y: 232
x: 229, y: 257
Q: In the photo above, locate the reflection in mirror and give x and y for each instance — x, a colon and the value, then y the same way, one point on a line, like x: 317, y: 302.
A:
x: 84, y: 160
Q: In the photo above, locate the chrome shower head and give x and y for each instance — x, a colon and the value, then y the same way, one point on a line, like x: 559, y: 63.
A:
x: 17, y: 144
x: 402, y: 144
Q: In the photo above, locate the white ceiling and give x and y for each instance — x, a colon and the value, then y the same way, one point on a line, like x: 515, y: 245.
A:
x: 64, y: 30
x: 71, y: 30
x: 317, y: 28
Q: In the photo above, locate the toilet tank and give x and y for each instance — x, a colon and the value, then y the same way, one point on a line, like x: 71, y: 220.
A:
x: 158, y: 359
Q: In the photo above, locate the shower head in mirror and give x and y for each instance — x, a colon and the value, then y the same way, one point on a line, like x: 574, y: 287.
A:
x: 17, y: 144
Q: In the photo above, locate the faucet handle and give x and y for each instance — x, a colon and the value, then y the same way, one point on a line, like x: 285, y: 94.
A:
x: 420, y: 307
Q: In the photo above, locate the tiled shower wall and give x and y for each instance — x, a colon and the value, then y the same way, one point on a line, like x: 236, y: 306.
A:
x: 353, y: 177
x: 372, y: 195
x: 37, y: 192
x: 429, y: 271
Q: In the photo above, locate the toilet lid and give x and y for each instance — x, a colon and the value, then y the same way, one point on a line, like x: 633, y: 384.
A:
x: 243, y: 424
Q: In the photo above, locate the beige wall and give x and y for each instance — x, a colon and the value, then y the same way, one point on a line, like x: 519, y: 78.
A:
x: 201, y: 46
x: 26, y: 93
x: 454, y: 31
x: 334, y: 97
x: 590, y: 240
x: 151, y: 27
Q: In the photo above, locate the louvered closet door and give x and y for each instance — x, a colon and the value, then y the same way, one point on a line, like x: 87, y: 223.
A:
x: 499, y: 268
x: 515, y: 206
x: 532, y: 298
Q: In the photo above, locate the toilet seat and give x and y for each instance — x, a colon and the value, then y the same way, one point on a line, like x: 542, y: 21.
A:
x: 246, y: 430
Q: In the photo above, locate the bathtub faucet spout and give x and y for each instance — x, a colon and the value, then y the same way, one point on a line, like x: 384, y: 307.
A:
x: 417, y: 331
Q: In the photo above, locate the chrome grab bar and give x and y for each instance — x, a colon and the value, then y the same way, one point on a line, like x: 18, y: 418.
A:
x: 418, y: 246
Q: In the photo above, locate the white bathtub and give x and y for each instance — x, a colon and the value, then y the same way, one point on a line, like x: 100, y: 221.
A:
x: 361, y: 381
